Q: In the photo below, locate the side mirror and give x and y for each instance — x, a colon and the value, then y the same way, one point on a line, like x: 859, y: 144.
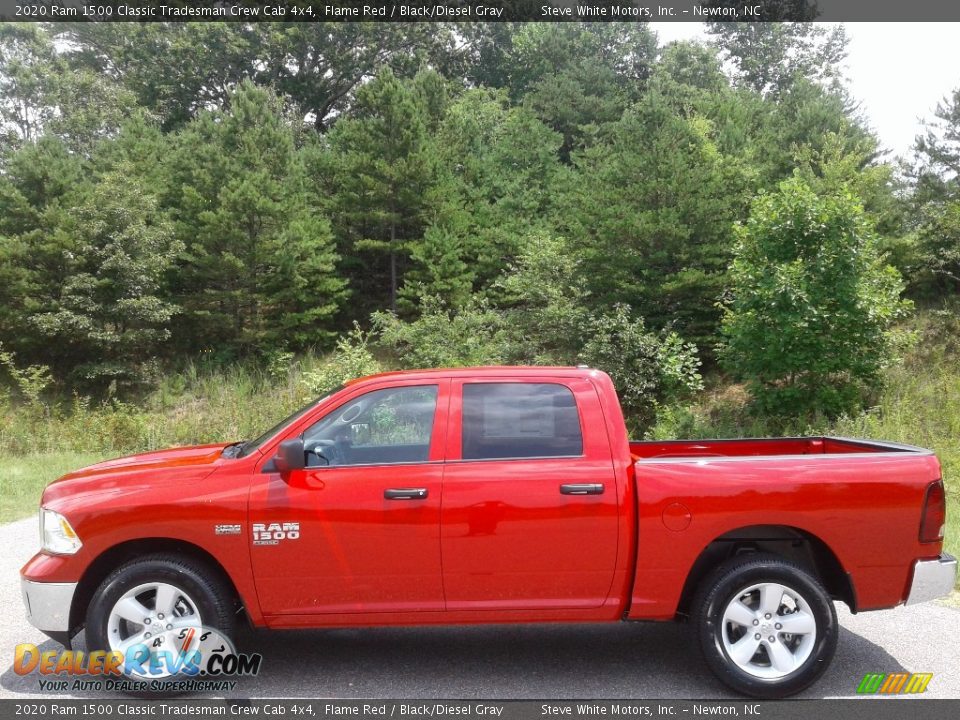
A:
x: 290, y: 456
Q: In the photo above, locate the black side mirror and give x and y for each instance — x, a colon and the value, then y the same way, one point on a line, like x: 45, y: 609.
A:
x: 290, y: 456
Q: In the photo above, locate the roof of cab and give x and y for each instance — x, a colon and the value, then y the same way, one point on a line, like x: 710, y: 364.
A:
x: 483, y: 371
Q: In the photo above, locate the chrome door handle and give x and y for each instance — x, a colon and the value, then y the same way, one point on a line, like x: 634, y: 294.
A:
x: 405, y: 494
x: 582, y: 489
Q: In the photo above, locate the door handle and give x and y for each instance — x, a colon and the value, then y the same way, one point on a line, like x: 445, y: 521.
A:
x: 582, y: 489
x: 405, y: 494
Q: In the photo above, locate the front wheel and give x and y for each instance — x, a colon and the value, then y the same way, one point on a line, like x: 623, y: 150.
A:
x: 158, y: 609
x: 767, y: 628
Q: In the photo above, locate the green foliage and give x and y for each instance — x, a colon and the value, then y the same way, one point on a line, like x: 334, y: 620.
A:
x: 440, y: 266
x: 770, y: 56
x: 651, y: 209
x: 689, y: 67
x: 259, y: 264
x: 174, y: 70
x: 382, y: 161
x: 813, y: 303
x: 809, y: 120
x: 42, y: 180
x: 500, y: 189
x: 28, y: 67
x: 536, y: 52
x: 543, y: 319
x: 351, y: 359
x: 497, y: 185
x: 545, y: 295
x: 576, y: 78
x: 109, y: 317
x: 474, y: 334
x: 648, y: 370
x: 31, y: 380
x: 937, y: 196
x: 323, y: 65
x: 91, y: 108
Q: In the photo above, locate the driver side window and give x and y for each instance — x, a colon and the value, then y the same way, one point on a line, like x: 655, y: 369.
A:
x: 381, y: 427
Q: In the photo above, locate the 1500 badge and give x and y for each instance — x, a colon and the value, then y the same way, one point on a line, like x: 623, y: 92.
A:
x: 273, y: 533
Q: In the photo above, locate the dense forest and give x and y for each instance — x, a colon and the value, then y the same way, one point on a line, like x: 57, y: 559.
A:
x: 439, y: 194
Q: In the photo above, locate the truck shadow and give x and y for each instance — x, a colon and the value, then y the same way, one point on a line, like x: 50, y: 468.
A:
x: 636, y: 660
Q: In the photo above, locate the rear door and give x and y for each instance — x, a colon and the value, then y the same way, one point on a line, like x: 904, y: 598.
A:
x: 530, y: 513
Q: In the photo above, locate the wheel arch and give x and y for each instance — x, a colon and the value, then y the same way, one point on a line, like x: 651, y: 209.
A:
x: 110, y: 559
x: 792, y: 543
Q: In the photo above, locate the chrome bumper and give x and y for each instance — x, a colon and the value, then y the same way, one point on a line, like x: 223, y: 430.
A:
x: 932, y: 579
x: 48, y: 604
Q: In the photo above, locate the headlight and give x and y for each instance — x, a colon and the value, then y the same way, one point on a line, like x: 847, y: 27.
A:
x: 56, y: 533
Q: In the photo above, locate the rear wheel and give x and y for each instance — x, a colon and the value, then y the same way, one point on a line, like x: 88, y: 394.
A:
x: 766, y: 627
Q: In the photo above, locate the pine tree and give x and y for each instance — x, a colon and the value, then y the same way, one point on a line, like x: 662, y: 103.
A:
x: 650, y: 212
x: 42, y: 180
x: 109, y: 318
x: 937, y: 196
x: 499, y: 169
x: 384, y: 166
x: 259, y: 263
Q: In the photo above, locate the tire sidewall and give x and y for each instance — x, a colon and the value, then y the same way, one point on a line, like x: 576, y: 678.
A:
x: 725, y: 588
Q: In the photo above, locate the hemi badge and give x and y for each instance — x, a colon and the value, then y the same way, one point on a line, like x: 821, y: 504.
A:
x: 226, y: 529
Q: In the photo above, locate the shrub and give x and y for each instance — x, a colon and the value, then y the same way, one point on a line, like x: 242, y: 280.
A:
x: 474, y: 334
x: 647, y: 370
x: 546, y: 302
x: 351, y: 359
x: 813, y: 304
x: 31, y: 380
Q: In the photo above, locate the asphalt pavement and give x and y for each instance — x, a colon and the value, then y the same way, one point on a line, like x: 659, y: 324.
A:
x: 621, y: 660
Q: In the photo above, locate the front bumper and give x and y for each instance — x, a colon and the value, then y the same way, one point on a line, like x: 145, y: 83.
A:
x: 932, y: 579
x: 48, y: 605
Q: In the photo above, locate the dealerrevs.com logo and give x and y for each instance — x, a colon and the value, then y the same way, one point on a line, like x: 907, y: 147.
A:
x: 182, y: 660
x: 894, y: 683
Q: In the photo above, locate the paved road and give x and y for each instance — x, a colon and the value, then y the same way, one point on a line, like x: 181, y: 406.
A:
x: 637, y: 660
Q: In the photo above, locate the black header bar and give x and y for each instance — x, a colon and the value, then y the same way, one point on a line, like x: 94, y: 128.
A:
x: 40, y: 708
x: 478, y: 10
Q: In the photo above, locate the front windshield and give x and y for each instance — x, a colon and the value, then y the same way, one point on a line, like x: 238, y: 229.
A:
x: 255, y: 444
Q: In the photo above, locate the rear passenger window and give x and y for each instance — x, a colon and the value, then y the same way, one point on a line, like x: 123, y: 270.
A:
x: 519, y: 420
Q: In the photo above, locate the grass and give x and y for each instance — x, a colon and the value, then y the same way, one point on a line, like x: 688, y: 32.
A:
x: 24, y: 478
x: 40, y: 442
x: 187, y: 407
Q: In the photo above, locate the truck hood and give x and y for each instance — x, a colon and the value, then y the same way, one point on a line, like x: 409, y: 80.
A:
x: 134, y: 473
x: 156, y: 460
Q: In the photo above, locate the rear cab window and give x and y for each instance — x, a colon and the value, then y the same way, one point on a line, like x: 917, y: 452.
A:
x: 511, y: 420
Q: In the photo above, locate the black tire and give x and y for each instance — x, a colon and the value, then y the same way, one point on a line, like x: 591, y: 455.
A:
x: 213, y: 597
x: 726, y: 584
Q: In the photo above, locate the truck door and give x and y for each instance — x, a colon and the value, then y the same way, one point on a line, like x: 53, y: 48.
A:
x: 357, y: 530
x: 530, y: 512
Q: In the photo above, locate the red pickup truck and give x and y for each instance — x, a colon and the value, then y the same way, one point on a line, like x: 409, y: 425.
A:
x: 495, y: 495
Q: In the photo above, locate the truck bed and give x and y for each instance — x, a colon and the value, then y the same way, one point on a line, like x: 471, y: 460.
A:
x: 835, y: 492
x: 764, y: 447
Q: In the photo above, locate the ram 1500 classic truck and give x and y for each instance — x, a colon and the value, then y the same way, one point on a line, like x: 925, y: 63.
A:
x: 495, y: 495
